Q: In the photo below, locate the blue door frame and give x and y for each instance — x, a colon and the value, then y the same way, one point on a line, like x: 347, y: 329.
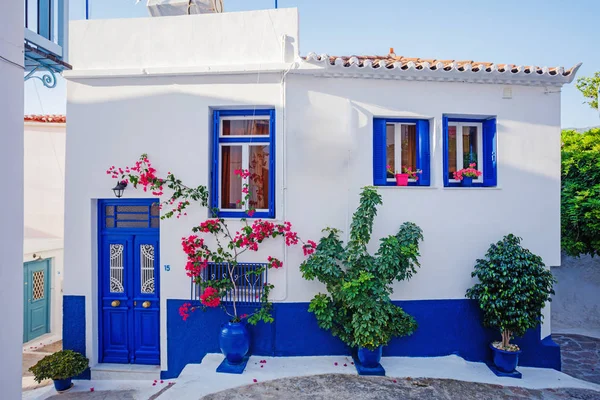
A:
x: 128, y: 281
x: 36, y: 299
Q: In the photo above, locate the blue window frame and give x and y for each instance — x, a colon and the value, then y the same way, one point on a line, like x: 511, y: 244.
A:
x: 243, y: 139
x: 412, y: 135
x: 470, y: 140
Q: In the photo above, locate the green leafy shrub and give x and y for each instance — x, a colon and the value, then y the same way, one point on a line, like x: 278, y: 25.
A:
x: 357, y: 308
x: 514, y: 285
x: 580, y: 198
x: 60, y: 365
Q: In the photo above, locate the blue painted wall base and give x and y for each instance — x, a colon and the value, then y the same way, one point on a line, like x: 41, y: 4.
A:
x: 445, y: 327
x: 74, y: 327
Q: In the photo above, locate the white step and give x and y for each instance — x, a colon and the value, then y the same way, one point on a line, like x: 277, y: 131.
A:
x: 125, y: 372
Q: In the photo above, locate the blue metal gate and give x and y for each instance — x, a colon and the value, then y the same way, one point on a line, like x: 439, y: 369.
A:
x: 129, y: 281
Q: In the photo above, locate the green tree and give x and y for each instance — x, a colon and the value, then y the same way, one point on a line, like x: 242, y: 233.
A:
x: 357, y: 307
x: 514, y: 285
x: 588, y: 86
x: 580, y: 199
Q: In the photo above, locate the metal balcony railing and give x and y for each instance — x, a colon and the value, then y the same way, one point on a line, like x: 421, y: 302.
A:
x: 250, y: 279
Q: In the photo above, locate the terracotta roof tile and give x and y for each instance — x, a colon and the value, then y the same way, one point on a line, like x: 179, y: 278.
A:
x: 54, y: 118
x: 394, y: 61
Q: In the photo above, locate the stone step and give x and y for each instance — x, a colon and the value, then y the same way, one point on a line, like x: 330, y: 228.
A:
x: 125, y: 372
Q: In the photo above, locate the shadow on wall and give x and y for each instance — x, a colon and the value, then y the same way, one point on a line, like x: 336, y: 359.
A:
x: 576, y: 304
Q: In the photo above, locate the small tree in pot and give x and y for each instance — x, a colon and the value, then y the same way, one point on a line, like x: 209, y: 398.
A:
x: 60, y: 367
x: 514, y: 285
x: 357, y: 307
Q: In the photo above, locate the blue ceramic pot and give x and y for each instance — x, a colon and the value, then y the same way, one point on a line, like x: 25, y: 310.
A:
x: 234, y: 341
x: 505, y: 361
x: 62, y: 384
x: 466, y: 181
x: 369, y: 358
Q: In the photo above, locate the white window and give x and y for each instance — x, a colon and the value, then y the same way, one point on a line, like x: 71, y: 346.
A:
x: 400, y: 148
x: 465, y: 147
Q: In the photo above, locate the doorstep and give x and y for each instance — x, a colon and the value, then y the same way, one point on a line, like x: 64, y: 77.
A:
x: 125, y: 372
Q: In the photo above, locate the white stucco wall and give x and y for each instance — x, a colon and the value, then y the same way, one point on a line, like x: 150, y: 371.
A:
x: 44, y: 177
x: 323, y: 158
x: 11, y: 220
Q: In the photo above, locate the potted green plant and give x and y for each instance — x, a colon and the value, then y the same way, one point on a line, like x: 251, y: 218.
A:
x: 403, y: 177
x: 466, y: 175
x: 60, y: 367
x: 514, y: 285
x: 357, y: 307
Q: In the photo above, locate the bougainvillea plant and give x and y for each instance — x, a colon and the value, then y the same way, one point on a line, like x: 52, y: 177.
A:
x: 470, y: 172
x: 143, y: 174
x: 229, y: 247
x: 514, y: 285
x: 357, y: 307
x: 218, y: 291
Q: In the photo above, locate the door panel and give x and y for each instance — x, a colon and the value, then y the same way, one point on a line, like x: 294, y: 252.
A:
x: 146, y: 302
x: 116, y: 305
x: 36, y: 299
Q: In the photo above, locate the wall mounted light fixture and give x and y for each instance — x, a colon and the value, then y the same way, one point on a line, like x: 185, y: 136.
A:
x: 119, y: 189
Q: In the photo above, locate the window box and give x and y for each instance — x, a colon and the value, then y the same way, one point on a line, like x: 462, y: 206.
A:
x: 243, y: 139
x: 400, y: 143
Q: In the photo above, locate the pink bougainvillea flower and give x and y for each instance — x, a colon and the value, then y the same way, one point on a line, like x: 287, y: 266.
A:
x: 263, y: 361
x: 91, y: 389
x: 262, y: 366
x: 335, y: 364
x: 395, y: 381
x: 251, y: 213
x: 254, y: 380
x: 162, y: 381
x: 210, y: 297
x: 345, y: 365
x: 243, y: 316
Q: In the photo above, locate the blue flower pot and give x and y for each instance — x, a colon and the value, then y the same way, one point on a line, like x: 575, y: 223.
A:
x: 369, y: 358
x: 62, y: 384
x: 234, y: 341
x: 467, y: 181
x: 505, y: 361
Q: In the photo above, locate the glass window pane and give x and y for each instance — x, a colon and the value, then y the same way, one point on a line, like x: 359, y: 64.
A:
x: 132, y: 224
x: 147, y: 268
x: 452, y: 152
x: 231, y: 184
x: 469, y: 145
x: 390, y: 149
x: 259, y: 177
x: 245, y: 127
x: 409, y: 146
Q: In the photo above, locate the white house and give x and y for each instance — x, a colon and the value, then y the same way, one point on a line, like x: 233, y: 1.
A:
x: 44, y: 173
x: 328, y: 126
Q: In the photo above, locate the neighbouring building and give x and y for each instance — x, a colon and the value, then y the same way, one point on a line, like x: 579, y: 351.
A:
x: 44, y: 221
x: 183, y: 89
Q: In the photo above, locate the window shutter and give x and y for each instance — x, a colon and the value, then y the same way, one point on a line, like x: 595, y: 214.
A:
x: 272, y: 166
x: 445, y: 142
x: 379, y: 159
x: 489, y: 153
x: 214, y: 193
x: 423, y: 155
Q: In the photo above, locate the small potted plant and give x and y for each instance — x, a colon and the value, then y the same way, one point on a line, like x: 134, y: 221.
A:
x: 406, y: 174
x: 60, y: 367
x: 466, y: 175
x: 514, y: 285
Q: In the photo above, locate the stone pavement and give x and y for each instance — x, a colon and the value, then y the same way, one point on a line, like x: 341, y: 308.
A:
x: 343, y: 387
x: 31, y: 356
x: 580, y: 356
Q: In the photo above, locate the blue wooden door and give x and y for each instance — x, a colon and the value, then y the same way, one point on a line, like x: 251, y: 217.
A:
x: 129, y: 286
x: 36, y: 292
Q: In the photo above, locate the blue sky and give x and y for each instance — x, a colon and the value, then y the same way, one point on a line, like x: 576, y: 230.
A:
x: 543, y: 33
